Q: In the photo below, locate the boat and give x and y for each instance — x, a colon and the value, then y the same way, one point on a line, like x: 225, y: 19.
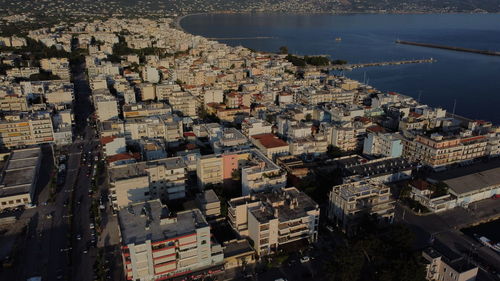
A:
x: 338, y: 39
x: 487, y: 242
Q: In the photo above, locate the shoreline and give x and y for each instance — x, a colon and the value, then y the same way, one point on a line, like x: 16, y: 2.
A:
x: 177, y: 20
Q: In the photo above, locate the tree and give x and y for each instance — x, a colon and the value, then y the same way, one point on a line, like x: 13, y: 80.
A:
x: 283, y: 50
x: 334, y: 151
x: 236, y: 174
x: 308, y: 117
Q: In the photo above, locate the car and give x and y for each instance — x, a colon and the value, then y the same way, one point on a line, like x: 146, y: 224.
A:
x: 85, y: 251
x: 78, y: 237
x: 304, y: 259
x: 330, y: 228
x: 49, y: 215
x: 91, y: 226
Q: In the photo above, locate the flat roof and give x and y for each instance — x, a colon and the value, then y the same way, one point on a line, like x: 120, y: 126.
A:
x: 207, y: 197
x: 152, y: 221
x: 473, y: 182
x: 19, y: 173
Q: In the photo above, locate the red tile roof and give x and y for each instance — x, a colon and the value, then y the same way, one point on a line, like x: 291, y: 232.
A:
x: 269, y: 140
x: 106, y: 140
x: 123, y: 156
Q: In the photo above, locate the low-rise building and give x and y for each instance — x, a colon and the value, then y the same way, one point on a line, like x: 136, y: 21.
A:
x: 270, y: 145
x: 19, y: 177
x: 443, y: 268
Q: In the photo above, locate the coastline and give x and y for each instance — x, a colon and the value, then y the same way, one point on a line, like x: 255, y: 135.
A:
x: 178, y: 19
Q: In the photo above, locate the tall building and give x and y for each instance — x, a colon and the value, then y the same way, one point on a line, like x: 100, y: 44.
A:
x: 273, y: 219
x: 157, y: 245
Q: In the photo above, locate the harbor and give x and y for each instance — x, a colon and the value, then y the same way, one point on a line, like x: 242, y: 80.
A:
x: 383, y: 63
x: 452, y: 48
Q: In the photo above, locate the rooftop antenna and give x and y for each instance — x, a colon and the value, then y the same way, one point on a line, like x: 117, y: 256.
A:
x: 454, y: 107
x: 419, y: 96
x: 364, y: 78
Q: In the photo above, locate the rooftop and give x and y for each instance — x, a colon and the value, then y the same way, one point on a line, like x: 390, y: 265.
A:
x: 465, y: 184
x: 269, y: 140
x: 19, y: 174
x: 152, y: 221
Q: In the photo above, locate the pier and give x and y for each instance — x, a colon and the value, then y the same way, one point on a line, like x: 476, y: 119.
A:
x: 452, y: 48
x: 383, y: 63
x: 240, y: 38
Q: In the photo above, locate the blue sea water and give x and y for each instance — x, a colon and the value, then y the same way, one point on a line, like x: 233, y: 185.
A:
x: 473, y: 80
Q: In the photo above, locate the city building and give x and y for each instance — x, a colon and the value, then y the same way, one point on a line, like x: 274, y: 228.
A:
x: 273, y: 219
x: 208, y: 203
x: 379, y: 143
x: 19, y: 178
x: 349, y: 202
x: 443, y: 268
x: 26, y: 129
x: 159, y: 245
x: 270, y: 145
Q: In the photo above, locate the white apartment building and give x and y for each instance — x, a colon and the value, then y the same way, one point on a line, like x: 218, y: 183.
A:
x: 273, y: 219
x: 253, y: 126
x: 350, y: 201
x: 168, y: 127
x: 157, y: 245
x: 26, y: 129
x: 106, y: 105
x: 57, y: 66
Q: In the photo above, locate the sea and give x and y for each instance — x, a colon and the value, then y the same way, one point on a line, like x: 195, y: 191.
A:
x: 466, y: 82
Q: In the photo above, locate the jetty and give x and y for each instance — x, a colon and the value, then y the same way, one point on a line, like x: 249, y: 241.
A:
x: 452, y: 48
x: 240, y: 38
x: 383, y: 63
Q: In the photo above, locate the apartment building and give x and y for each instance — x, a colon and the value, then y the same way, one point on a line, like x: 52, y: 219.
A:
x: 13, y: 103
x: 26, y: 129
x: 106, y: 105
x: 185, y: 103
x: 57, y: 66
x: 167, y: 178
x: 309, y: 146
x: 136, y: 182
x: 259, y: 173
x: 157, y: 245
x: 444, y: 268
x: 252, y: 126
x: 438, y: 150
x: 209, y: 204
x: 380, y: 143
x: 274, y: 219
x: 270, y: 145
x: 167, y: 127
x: 22, y: 72
x: 145, y: 109
x: 350, y: 201
x: 19, y: 177
x: 348, y: 136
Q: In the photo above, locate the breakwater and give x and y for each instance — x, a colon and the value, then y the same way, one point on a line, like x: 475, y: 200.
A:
x: 452, y: 48
x: 382, y: 63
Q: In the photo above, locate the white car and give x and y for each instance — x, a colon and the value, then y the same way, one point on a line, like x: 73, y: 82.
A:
x: 304, y: 259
